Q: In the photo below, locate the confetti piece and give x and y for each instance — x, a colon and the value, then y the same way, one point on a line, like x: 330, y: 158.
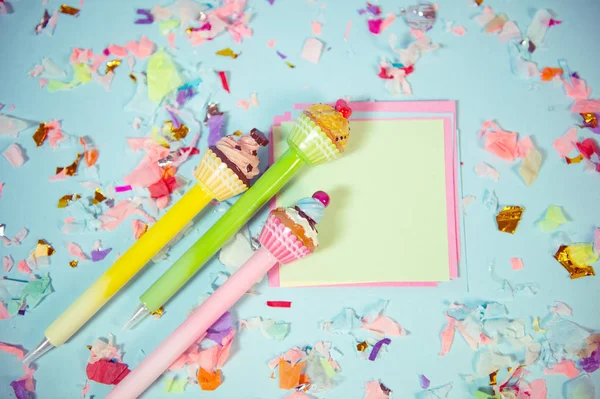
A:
x: 312, y: 50
x: 224, y: 82
x: 289, y: 374
x: 561, y: 308
x: 98, y: 255
x: 517, y: 264
x: 43, y: 22
x: 566, y: 367
x: 348, y: 27
x: 547, y: 74
x: 139, y: 228
x: 121, y: 189
x: 566, y: 143
x: 386, y: 326
x: 553, y: 219
x: 147, y: 17
x: 76, y: 251
x: 227, y: 52
x: 292, y: 66
x: 107, y: 372
x: 576, y: 258
x: 530, y: 167
x: 502, y: 144
x: 74, y: 263
x: 175, y: 385
x: 40, y: 134
x: 377, y: 348
x: 279, y: 304
x: 23, y: 267
x: 580, y: 387
x: 482, y: 169
x: 11, y: 126
x: 7, y: 263
x: 281, y: 55
x: 14, y: 155
x: 424, y: 381
x: 316, y: 27
x: 142, y: 49
x: 524, y: 146
x: 508, y: 218
x: 583, y: 106
x: 576, y: 159
x: 209, y: 381
x: 271, y: 43
x: 376, y: 390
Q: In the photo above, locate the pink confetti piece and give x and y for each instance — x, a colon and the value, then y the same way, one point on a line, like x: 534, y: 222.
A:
x: 76, y: 251
x: 7, y: 263
x: 524, y: 146
x: 517, y: 264
x: 4, y: 313
x: 316, y: 27
x: 243, y: 104
x: 447, y: 335
x: 23, y: 267
x: 224, y: 82
x: 85, y: 390
x: 386, y: 326
x: 466, y: 201
x: 139, y: 228
x: 577, y: 89
x: 348, y: 27
x: 538, y: 389
x: 375, y: 25
x: 271, y: 43
x: 459, y: 30
x: 253, y: 101
x: 121, y: 211
x: 566, y: 143
x: 584, y: 106
x: 13, y: 350
x: 62, y: 175
x: 482, y: 169
x: 561, y: 308
x: 502, y: 144
x: 312, y: 50
x: 597, y: 240
x: 510, y: 31
x: 566, y: 367
x: 1, y: 188
x: 171, y: 40
x: 387, y: 22
x: 142, y: 49
x: 377, y: 348
x: 14, y: 155
x: 373, y: 390
x: 121, y: 189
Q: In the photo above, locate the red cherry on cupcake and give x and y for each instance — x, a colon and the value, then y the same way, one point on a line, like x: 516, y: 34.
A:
x: 322, y: 197
x: 342, y: 107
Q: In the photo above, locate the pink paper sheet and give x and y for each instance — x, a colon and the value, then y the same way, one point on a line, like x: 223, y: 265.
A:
x: 428, y: 107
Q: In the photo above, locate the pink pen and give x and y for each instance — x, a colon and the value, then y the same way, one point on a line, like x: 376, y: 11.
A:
x: 288, y: 234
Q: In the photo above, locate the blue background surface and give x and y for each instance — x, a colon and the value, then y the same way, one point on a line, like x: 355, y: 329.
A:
x: 472, y: 69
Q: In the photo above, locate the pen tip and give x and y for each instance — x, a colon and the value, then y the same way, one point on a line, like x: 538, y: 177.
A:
x: 37, y: 352
x: 139, y: 314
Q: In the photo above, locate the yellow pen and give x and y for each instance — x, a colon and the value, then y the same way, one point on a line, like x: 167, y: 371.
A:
x: 224, y: 172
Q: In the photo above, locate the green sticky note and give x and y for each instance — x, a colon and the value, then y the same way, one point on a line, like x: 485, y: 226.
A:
x: 329, y: 371
x: 57, y: 85
x: 163, y: 76
x: 387, y: 221
x: 278, y: 331
x: 36, y: 290
x: 175, y: 385
x: 82, y: 73
x: 167, y: 26
x: 553, y: 219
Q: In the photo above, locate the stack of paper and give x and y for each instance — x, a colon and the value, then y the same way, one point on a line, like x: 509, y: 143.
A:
x: 393, y: 216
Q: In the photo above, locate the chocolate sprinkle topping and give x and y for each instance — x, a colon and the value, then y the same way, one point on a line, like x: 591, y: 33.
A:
x: 230, y: 165
x: 260, y: 137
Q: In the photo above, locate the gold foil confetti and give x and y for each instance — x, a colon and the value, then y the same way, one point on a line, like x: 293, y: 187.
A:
x: 361, y: 346
x: 74, y: 263
x: 132, y: 77
x: 180, y: 132
x: 65, y: 9
x: 71, y: 169
x: 227, y: 52
x: 111, y: 65
x: 493, y: 378
x: 65, y: 199
x: 98, y: 197
x: 237, y: 133
x: 573, y: 259
x: 158, y: 313
x: 479, y: 2
x: 508, y: 218
x: 43, y: 249
x: 590, y: 119
x: 290, y: 64
x: 41, y: 134
x: 576, y: 159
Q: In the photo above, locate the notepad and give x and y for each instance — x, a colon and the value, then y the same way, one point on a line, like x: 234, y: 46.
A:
x: 392, y: 217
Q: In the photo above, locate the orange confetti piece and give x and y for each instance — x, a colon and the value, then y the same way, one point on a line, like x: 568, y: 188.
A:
x: 91, y: 157
x: 41, y: 134
x: 576, y: 159
x: 550, y: 73
x: 289, y: 376
x: 304, y: 382
x: 209, y: 381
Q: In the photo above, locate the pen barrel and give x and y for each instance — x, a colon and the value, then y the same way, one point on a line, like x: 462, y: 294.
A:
x: 131, y: 262
x: 194, y: 258
x: 194, y: 327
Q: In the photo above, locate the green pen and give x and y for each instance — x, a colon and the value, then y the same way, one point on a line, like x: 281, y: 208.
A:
x: 319, y: 135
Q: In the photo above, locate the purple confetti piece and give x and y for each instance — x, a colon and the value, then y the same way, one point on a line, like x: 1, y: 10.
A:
x: 575, y: 75
x: 19, y: 388
x: 121, y: 189
x: 149, y: 18
x: 184, y: 95
x: 424, y: 381
x: 377, y: 347
x: 592, y: 363
x: 100, y: 255
x: 215, y: 127
x: 220, y: 328
x: 271, y: 2
x: 174, y: 120
x: 283, y: 56
x: 373, y: 9
x: 362, y: 11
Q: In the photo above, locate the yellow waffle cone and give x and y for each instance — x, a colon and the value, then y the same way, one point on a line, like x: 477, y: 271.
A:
x: 216, y: 177
x: 320, y: 134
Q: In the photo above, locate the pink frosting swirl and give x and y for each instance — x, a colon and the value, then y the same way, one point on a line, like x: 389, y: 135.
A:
x: 242, y: 153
